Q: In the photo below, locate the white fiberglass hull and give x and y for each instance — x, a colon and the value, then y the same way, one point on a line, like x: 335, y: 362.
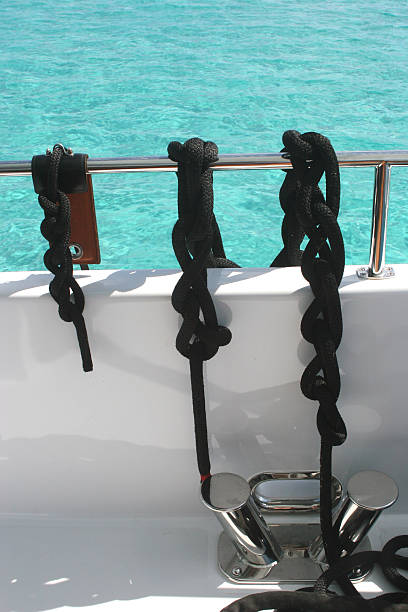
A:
x: 100, y: 491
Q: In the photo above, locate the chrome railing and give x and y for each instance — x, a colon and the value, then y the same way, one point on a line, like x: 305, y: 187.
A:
x: 382, y: 161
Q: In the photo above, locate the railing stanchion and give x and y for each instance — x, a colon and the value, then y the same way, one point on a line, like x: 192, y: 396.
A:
x: 376, y: 268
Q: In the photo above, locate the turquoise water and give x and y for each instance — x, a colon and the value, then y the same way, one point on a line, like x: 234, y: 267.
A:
x: 114, y: 79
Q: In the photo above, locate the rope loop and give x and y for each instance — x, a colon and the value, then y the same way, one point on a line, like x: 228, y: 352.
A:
x: 56, y: 228
x: 390, y: 561
x: 330, y: 424
x: 387, y: 559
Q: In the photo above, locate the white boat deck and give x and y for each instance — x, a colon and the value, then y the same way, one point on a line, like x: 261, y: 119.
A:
x: 120, y: 565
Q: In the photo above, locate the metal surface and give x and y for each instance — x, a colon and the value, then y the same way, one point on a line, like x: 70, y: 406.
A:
x: 365, y: 273
x: 372, y: 490
x: 295, y: 565
x: 76, y: 250
x: 271, y: 493
x: 225, y: 492
x: 225, y: 162
x: 369, y: 493
x: 229, y: 497
x: 376, y: 265
x: 136, y: 406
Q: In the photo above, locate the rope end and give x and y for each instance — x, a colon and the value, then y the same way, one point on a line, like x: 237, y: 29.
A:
x: 87, y: 367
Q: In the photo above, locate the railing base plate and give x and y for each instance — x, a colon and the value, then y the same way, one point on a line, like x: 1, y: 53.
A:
x: 364, y: 273
x: 295, y: 567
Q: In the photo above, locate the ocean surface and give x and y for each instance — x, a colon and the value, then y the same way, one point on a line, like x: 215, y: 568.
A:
x: 121, y: 79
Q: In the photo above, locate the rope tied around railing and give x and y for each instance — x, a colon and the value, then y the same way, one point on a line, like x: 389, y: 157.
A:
x: 322, y: 265
x: 197, y: 244
x: 308, y: 212
x: 292, y: 232
x: 55, y: 228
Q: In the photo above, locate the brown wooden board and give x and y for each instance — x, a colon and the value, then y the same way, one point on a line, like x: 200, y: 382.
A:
x: 84, y: 231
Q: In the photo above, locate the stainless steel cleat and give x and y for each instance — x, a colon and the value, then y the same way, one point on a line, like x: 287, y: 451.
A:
x: 229, y: 497
x: 368, y: 494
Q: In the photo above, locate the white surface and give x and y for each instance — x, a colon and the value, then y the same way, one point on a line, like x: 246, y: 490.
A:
x: 119, y: 441
x: 109, y: 455
x: 143, y: 565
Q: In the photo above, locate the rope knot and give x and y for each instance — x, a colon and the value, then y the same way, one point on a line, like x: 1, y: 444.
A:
x: 212, y: 338
x: 193, y: 151
x: 195, y: 202
x: 330, y: 424
x: 297, y: 145
x: 66, y: 311
x: 56, y: 228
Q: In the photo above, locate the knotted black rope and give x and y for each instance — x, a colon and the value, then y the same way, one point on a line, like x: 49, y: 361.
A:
x: 292, y: 232
x: 324, y: 601
x: 308, y: 213
x: 322, y: 264
x: 55, y: 228
x: 197, y: 245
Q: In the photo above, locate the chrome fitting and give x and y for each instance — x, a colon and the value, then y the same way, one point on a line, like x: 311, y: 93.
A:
x: 368, y: 494
x: 229, y: 497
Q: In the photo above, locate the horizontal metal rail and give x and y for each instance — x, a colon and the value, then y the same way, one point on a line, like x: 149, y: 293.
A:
x: 382, y: 161
x: 254, y: 161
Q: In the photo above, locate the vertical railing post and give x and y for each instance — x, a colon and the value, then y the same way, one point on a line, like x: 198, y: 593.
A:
x: 376, y: 268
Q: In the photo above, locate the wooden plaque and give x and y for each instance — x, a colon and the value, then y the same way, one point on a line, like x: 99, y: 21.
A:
x: 84, y: 232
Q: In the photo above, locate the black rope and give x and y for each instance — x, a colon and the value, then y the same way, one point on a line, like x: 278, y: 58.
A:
x: 197, y: 245
x: 56, y: 228
x: 308, y: 212
x: 286, y: 601
x: 292, y: 232
x: 322, y: 264
x: 391, y: 562
x: 324, y: 601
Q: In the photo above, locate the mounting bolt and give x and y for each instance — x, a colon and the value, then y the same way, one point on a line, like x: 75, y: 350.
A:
x: 236, y: 571
x: 76, y: 250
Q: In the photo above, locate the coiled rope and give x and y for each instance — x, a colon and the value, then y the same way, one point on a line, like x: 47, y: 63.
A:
x: 55, y: 228
x: 197, y: 244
